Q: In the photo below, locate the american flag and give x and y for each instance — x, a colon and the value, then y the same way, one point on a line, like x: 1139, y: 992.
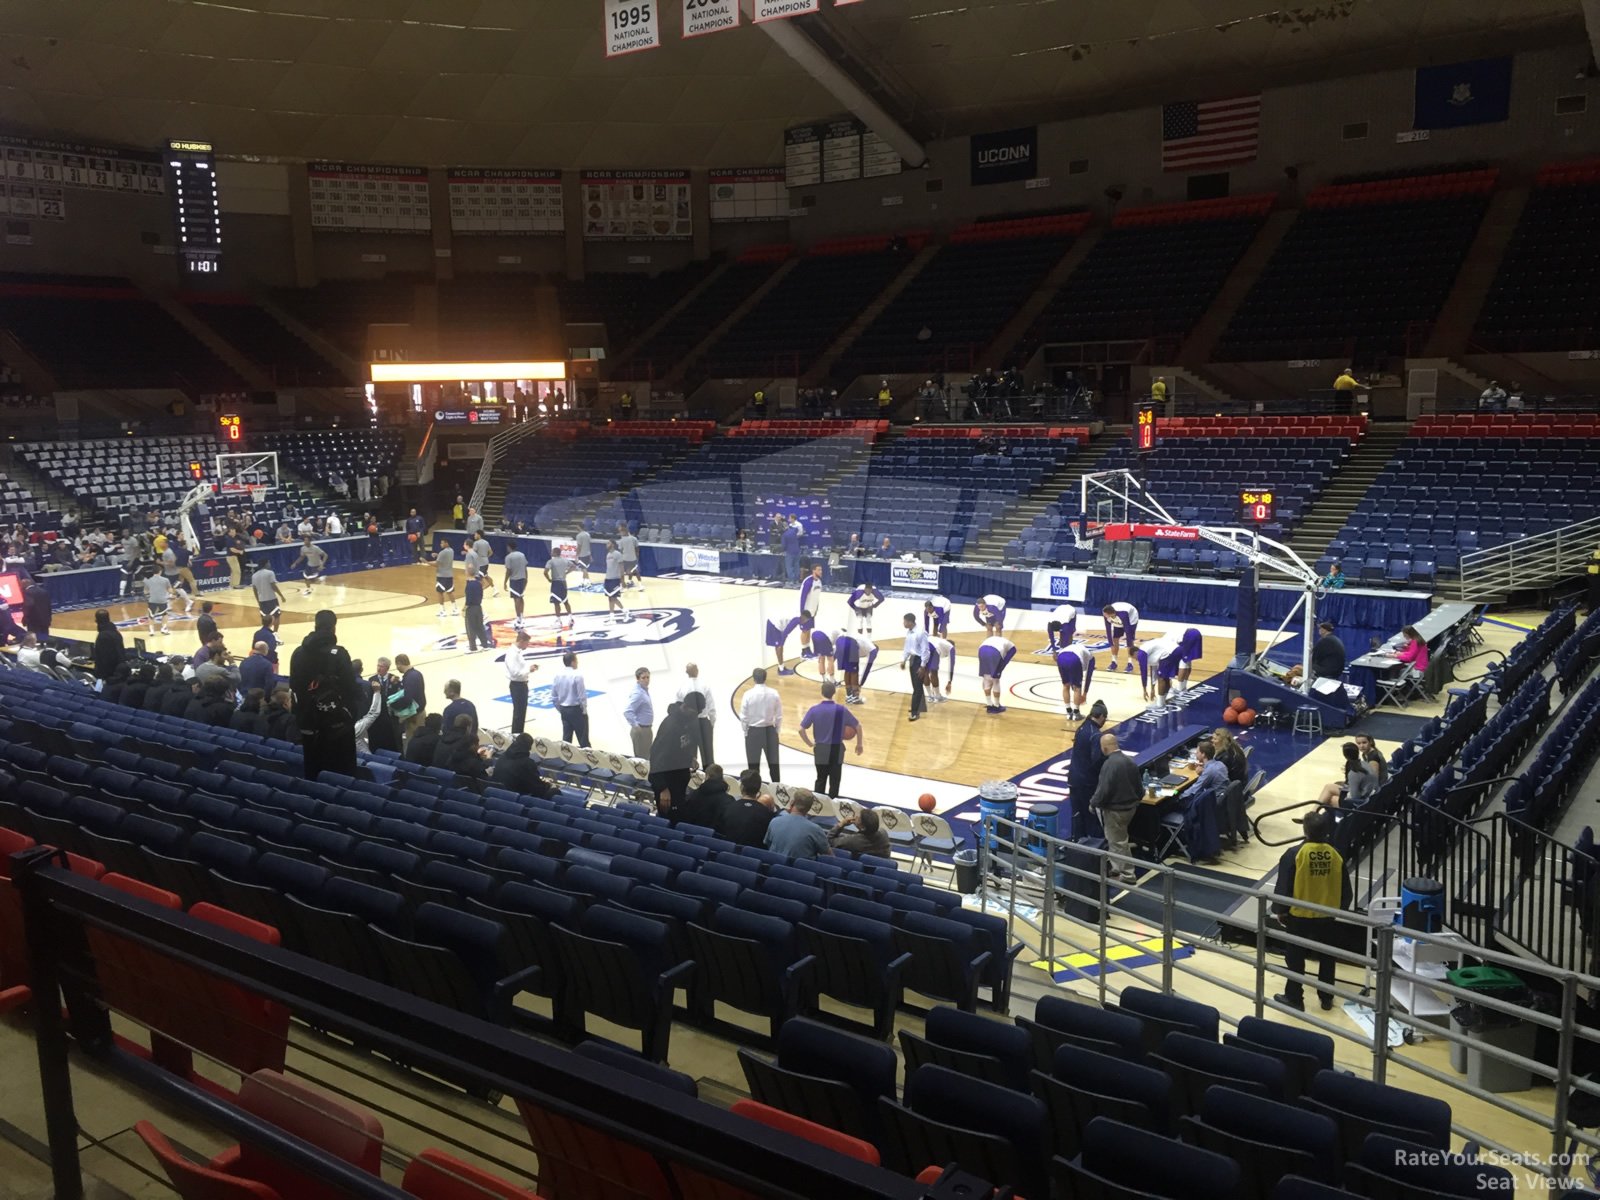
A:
x: 1209, y: 133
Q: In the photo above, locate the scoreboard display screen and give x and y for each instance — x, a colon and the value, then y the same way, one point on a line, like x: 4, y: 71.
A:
x: 1259, y: 507
x: 197, y: 210
x: 1144, y: 437
x: 231, y: 428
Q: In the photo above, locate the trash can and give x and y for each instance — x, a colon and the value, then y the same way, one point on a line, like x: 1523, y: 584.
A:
x: 966, y: 862
x: 1046, y: 819
x: 1422, y: 904
x: 996, y: 798
x: 1492, y: 1028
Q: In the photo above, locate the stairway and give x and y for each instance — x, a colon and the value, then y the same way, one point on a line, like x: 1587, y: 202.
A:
x: 1347, y: 489
x: 1013, y: 330
x: 817, y: 372
x: 1452, y: 329
x: 342, y: 361
x: 1208, y: 330
x: 992, y: 547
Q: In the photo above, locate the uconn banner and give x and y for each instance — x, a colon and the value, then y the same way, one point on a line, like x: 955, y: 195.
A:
x: 1005, y: 157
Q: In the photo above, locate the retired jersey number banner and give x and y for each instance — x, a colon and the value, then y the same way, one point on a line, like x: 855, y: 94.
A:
x: 914, y: 575
x: 709, y: 16
x: 776, y: 10
x: 632, y: 25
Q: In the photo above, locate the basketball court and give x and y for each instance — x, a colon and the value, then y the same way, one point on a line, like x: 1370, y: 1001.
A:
x: 720, y: 626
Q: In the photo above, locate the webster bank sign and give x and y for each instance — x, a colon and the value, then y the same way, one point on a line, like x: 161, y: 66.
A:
x: 1005, y: 157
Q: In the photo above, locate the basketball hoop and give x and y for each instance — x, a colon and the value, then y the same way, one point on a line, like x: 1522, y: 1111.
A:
x: 258, y: 495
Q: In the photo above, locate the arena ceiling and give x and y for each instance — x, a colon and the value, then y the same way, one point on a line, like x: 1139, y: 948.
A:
x: 525, y: 82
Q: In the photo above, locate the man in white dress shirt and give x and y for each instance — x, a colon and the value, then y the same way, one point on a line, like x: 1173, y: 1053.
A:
x: 708, y: 712
x: 570, y: 695
x: 640, y: 714
x: 912, y: 658
x: 518, y: 671
x: 761, y: 716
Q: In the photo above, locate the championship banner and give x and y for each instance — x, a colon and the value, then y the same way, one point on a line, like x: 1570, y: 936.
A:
x: 709, y: 16
x: 637, y: 206
x: 632, y: 25
x: 924, y: 576
x: 1139, y: 533
x: 708, y: 562
x: 749, y: 194
x: 777, y: 10
x: 514, y: 200
x: 362, y: 198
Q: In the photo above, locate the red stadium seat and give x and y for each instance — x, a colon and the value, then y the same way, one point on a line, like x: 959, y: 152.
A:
x: 435, y: 1175
x: 333, y: 1126
x: 195, y: 1182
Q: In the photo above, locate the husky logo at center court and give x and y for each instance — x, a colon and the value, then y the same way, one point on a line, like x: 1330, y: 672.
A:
x: 590, y: 632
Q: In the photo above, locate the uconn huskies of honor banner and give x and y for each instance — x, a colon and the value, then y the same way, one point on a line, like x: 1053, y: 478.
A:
x: 923, y: 576
x: 632, y: 25
x: 709, y: 16
x: 1005, y: 157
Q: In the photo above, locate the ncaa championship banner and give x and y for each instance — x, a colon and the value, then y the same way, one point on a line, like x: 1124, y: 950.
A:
x: 707, y: 561
x: 1060, y: 585
x: 924, y: 576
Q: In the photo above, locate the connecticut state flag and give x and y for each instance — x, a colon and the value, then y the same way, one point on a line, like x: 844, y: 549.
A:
x: 1465, y: 93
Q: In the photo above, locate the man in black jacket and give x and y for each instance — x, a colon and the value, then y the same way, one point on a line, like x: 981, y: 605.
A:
x: 1327, y: 654
x: 322, y: 677
x: 281, y: 723
x: 108, y: 645
x: 424, y: 740
x: 705, y: 804
x: 1083, y: 772
x: 1117, y: 798
x: 745, y: 821
x: 458, y: 749
x: 518, y: 771
x: 211, y: 705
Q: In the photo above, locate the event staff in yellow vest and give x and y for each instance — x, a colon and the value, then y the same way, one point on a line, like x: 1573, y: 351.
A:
x: 1312, y: 872
x: 885, y: 399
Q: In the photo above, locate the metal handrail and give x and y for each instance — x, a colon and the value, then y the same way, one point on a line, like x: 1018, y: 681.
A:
x: 1028, y: 876
x: 498, y: 443
x: 1530, y: 561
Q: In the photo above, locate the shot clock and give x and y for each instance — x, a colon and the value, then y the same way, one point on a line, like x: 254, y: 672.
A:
x: 196, y: 210
x: 1145, y: 430
x: 231, y: 428
x: 1259, y: 507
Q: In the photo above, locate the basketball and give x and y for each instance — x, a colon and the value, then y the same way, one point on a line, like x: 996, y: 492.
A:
x: 1247, y: 717
x: 926, y: 802
x: 412, y: 538
x: 1230, y: 716
x: 1239, y: 704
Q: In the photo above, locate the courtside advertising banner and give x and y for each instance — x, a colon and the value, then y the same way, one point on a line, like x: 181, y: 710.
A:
x: 1060, y: 585
x: 708, y: 562
x: 632, y: 25
x: 563, y: 548
x: 777, y: 10
x: 709, y: 16
x: 924, y: 576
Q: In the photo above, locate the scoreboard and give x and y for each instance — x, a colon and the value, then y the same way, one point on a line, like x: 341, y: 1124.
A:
x: 196, y: 208
x: 1259, y: 506
x: 231, y: 428
x: 1145, y: 431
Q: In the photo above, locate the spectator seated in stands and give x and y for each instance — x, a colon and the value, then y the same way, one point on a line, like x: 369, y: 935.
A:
x: 793, y: 833
x: 517, y: 770
x: 863, y: 835
x: 458, y: 749
x: 1327, y: 657
x: 424, y: 740
x: 1334, y: 579
x: 745, y: 821
x: 1492, y: 398
x: 1359, y: 781
x: 704, y: 805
